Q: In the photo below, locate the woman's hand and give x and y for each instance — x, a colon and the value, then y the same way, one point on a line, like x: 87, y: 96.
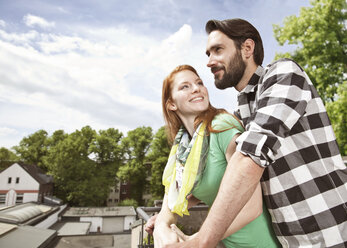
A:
x: 181, y: 236
x: 163, y: 235
x: 149, y: 227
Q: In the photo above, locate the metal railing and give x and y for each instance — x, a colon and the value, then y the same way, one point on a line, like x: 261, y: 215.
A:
x: 142, y: 213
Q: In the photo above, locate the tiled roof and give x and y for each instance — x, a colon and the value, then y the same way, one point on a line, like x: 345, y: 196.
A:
x: 37, y: 173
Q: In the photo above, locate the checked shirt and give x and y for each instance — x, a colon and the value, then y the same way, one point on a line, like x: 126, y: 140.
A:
x: 289, y: 133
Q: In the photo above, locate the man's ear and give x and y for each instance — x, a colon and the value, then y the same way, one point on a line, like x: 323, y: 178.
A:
x: 171, y: 106
x: 247, y: 48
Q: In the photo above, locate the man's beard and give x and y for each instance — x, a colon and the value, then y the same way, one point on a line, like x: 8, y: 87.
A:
x: 233, y: 74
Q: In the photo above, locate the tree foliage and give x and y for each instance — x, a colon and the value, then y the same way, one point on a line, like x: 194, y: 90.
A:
x: 33, y: 148
x: 321, y: 35
x: 84, y: 164
x: 7, y: 158
x: 129, y: 202
x: 135, y: 147
x: 158, y: 155
x: 338, y: 115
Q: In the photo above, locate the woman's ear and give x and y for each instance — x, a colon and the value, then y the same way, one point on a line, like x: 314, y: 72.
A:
x: 171, y: 106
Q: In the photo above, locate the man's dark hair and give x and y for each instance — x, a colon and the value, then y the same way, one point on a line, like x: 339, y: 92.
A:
x: 239, y: 31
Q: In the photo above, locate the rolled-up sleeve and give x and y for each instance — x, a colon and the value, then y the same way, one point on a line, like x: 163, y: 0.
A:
x: 280, y: 101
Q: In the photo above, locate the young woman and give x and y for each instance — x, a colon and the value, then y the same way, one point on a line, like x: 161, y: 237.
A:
x: 203, y: 141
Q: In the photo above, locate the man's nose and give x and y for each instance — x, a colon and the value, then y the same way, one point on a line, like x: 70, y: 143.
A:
x: 211, y: 62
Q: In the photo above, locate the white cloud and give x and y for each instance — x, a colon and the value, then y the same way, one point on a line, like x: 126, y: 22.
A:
x: 2, y: 23
x: 5, y: 131
x: 51, y: 81
x: 32, y: 21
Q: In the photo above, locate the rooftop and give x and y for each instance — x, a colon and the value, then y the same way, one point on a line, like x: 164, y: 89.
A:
x: 74, y: 228
x: 25, y: 236
x: 24, y: 213
x: 105, y: 211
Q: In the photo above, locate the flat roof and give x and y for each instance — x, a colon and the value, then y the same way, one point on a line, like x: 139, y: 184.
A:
x: 74, y: 228
x: 100, y: 212
x: 27, y: 237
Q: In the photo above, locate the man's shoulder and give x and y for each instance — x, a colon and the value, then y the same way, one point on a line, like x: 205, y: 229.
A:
x: 283, y: 65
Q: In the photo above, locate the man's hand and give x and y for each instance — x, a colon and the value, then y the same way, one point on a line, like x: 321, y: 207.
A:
x: 191, y: 243
x: 164, y: 236
x: 149, y: 227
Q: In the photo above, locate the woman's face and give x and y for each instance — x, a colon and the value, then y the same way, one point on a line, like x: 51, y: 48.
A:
x: 189, y: 95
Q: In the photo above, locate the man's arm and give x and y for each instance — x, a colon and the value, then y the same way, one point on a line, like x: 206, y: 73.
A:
x: 239, y: 182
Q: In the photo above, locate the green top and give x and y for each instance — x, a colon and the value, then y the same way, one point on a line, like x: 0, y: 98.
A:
x: 259, y: 232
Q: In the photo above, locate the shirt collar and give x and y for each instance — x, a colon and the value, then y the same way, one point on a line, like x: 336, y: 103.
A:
x: 253, y: 82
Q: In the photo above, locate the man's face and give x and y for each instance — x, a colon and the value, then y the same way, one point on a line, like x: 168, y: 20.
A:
x: 225, y: 60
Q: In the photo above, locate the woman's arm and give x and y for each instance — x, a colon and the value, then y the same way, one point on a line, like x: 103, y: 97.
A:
x: 149, y: 227
x: 162, y: 233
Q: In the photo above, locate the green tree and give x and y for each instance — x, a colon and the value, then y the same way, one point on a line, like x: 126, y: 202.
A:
x: 338, y: 115
x: 33, y: 148
x: 135, y: 147
x: 158, y: 155
x: 7, y: 158
x: 108, y: 153
x: 79, y: 180
x: 320, y: 33
x: 129, y: 202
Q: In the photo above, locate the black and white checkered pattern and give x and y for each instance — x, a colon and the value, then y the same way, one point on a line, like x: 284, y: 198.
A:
x: 288, y: 132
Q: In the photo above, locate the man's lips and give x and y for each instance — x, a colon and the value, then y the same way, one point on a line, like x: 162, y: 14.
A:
x: 214, y: 70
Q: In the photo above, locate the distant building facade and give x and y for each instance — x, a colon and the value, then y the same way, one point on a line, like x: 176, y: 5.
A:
x: 114, y: 196
x: 21, y: 183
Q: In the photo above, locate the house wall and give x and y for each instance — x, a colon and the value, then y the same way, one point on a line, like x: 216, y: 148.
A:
x: 26, y: 185
x: 128, y: 221
x: 96, y: 223
x: 113, y: 224
x: 52, y: 219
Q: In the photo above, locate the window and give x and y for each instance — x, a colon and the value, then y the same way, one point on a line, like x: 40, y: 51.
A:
x: 109, y: 200
x: 115, y: 200
x: 2, y: 198
x: 17, y: 179
x: 9, y: 180
x: 19, y: 198
x: 124, y: 191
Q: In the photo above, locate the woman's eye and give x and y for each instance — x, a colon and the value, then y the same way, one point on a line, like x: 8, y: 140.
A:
x: 200, y: 83
x: 184, y: 87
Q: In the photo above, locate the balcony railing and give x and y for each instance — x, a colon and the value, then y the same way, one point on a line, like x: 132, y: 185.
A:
x: 142, y: 213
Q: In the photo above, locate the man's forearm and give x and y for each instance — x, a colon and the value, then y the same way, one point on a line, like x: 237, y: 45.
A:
x: 239, y: 182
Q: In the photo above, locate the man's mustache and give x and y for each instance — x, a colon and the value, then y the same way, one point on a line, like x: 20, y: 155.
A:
x: 216, y: 68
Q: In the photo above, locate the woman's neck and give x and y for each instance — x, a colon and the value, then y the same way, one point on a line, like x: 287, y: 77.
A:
x: 188, y: 123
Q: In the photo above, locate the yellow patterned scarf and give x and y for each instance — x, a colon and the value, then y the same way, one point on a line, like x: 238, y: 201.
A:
x: 184, y: 168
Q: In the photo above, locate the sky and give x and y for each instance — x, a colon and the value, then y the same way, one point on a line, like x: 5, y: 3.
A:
x: 71, y: 63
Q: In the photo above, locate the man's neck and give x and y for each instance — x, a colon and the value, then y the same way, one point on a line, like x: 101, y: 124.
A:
x: 249, y: 71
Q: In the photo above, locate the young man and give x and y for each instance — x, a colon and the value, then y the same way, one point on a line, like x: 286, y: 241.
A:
x: 289, y: 146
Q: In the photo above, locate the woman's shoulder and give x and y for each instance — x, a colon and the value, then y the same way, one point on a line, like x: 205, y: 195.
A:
x: 226, y: 121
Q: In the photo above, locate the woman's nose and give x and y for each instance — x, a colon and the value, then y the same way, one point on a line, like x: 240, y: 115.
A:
x: 195, y: 88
